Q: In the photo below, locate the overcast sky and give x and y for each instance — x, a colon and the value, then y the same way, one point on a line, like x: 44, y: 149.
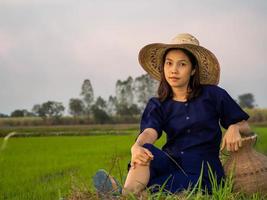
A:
x: 48, y: 47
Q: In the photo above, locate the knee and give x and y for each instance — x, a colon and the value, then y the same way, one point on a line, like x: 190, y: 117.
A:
x: 139, y: 167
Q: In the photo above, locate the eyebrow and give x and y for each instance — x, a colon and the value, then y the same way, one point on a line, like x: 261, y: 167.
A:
x: 179, y: 60
x: 168, y: 59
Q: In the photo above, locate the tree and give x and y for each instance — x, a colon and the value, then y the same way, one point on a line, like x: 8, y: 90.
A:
x: 125, y: 97
x: 87, y: 94
x: 17, y: 113
x: 38, y: 110
x: 134, y: 110
x: 144, y: 88
x: 53, y: 109
x: 100, y: 116
x: 112, y: 105
x: 125, y: 110
x: 49, y: 109
x: 21, y: 113
x: 124, y: 92
x: 246, y: 100
x: 76, y: 107
x: 101, y: 103
x: 99, y: 111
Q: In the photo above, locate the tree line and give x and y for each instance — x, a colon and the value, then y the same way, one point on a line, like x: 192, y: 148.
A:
x: 131, y: 96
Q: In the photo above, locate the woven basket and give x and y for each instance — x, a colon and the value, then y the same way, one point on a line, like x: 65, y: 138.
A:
x: 249, y: 168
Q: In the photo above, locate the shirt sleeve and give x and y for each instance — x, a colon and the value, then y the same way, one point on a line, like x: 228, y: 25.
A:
x: 152, y: 116
x: 229, y: 111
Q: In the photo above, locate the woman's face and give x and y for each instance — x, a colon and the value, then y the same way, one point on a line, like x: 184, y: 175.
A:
x: 177, y: 69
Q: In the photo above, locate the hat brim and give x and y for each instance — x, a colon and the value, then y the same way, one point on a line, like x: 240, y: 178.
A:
x: 151, y: 58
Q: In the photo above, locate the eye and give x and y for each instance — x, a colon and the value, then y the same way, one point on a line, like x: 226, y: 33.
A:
x: 168, y: 63
x: 183, y: 64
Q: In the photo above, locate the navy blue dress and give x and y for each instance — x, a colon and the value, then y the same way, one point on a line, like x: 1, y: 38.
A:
x: 193, y: 137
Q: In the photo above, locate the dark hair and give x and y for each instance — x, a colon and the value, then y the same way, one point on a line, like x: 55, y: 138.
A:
x: 165, y: 90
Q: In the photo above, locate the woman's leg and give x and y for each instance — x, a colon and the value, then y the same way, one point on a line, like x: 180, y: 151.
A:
x: 139, y: 177
x: 136, y: 180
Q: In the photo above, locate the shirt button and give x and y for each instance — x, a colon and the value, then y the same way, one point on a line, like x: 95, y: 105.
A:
x: 186, y: 104
x: 187, y: 118
x: 188, y: 130
x: 182, y: 152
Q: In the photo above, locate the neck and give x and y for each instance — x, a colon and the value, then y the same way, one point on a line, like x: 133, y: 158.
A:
x: 180, y: 93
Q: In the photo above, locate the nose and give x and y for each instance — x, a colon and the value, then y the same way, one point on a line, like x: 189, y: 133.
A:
x: 174, y: 69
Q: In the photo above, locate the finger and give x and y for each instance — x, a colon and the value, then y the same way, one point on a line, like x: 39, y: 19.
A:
x: 149, y: 153
x: 143, y: 159
x: 240, y: 143
x: 236, y: 146
x: 132, y: 165
x: 141, y: 156
x: 232, y: 146
x: 144, y: 155
x: 139, y: 162
x: 223, y: 145
x: 146, y: 160
x: 150, y: 157
x: 228, y: 147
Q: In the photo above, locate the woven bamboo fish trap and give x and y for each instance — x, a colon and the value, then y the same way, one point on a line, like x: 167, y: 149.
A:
x: 249, y: 168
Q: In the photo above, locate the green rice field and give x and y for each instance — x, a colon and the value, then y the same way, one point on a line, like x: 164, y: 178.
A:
x: 51, y: 167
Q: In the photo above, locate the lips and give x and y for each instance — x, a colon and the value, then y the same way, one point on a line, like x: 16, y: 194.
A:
x: 174, y: 78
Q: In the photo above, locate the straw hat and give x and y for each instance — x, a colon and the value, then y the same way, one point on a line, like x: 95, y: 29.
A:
x: 151, y: 58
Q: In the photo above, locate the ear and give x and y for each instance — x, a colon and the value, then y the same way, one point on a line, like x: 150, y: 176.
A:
x: 193, y: 72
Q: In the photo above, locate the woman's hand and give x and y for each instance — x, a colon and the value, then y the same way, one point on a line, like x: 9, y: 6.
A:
x: 232, y: 138
x: 140, y: 155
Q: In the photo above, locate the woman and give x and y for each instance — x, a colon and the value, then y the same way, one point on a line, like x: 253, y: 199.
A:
x: 190, y: 109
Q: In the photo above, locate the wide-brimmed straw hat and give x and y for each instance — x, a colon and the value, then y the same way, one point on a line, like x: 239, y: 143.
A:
x: 151, y: 58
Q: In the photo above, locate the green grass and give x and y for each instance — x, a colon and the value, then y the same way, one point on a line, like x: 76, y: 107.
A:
x: 261, y: 144
x: 49, y: 167
x: 43, y: 167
